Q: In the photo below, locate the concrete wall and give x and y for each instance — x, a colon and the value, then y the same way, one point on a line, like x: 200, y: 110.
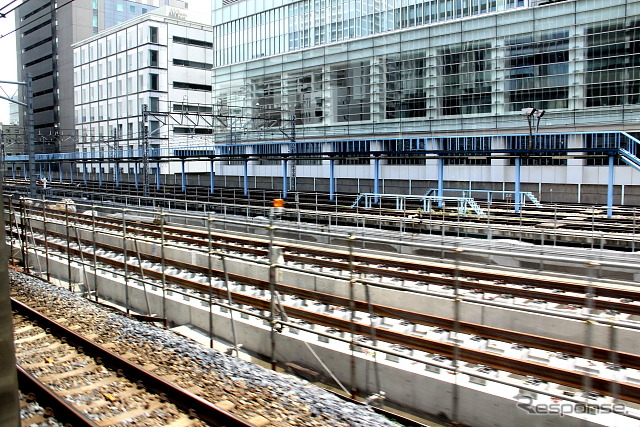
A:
x: 406, y: 384
x: 404, y: 298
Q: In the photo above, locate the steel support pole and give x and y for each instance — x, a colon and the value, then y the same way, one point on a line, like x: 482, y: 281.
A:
x: 84, y: 173
x: 183, y: 177
x: 440, y: 180
x: 516, y: 195
x: 135, y: 174
x: 71, y: 166
x: 610, y: 186
x: 212, y: 178
x: 332, y: 179
x: 245, y: 182
x: 116, y: 174
x: 145, y: 151
x: 100, y: 173
x: 376, y: 179
x: 158, y: 176
x: 31, y: 137
x: 284, y: 178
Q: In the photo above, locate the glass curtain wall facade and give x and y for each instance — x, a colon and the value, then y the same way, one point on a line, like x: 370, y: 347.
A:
x: 392, y: 76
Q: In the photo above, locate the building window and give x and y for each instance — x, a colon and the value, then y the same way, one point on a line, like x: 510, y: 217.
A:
x: 305, y: 94
x: 192, y: 64
x: 132, y: 9
x: 154, y: 82
x: 537, y: 71
x: 153, y: 58
x: 191, y: 86
x: 153, y: 34
x: 405, y: 85
x: 352, y: 91
x: 464, y: 79
x: 154, y: 104
x: 613, y: 64
x: 192, y: 42
x: 120, y: 7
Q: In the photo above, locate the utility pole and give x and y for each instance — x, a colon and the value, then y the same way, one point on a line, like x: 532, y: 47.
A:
x: 294, y: 149
x: 145, y: 151
x: 31, y: 149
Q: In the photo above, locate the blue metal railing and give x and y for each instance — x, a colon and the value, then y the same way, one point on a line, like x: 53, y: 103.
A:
x: 622, y: 142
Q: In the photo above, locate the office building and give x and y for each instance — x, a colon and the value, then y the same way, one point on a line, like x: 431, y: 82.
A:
x: 46, y: 31
x: 160, y: 60
x: 363, y: 76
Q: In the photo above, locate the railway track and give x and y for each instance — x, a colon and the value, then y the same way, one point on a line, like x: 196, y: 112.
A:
x: 86, y: 384
x: 122, y: 372
x: 558, y: 219
x: 252, y: 294
x: 479, y: 282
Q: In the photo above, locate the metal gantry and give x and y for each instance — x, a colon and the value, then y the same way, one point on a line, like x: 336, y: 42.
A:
x: 31, y: 150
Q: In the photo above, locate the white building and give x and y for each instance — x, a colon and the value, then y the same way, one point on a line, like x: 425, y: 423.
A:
x: 162, y: 60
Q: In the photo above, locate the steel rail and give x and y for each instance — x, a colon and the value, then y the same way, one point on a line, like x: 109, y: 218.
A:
x: 391, y: 215
x: 260, y: 249
x: 537, y: 341
x: 498, y: 287
x: 603, y: 262
x: 62, y: 410
x: 625, y: 391
x: 195, y: 405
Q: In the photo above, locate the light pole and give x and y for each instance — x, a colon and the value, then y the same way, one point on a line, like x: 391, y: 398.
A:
x: 531, y: 113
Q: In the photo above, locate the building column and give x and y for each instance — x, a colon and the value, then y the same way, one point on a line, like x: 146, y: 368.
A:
x: 610, y: 186
x: 212, y: 176
x: 158, y: 176
x: 332, y: 183
x: 376, y: 179
x: 183, y: 177
x: 245, y: 180
x: 440, y: 180
x: 284, y: 178
x: 516, y: 195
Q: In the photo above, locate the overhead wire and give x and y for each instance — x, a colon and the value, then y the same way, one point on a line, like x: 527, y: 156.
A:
x: 4, y: 14
x: 34, y: 19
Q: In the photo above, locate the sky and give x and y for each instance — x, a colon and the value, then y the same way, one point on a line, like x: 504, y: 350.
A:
x: 8, y: 52
x: 8, y: 67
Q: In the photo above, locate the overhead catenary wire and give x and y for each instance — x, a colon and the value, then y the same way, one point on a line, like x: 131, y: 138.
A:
x: 34, y: 19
